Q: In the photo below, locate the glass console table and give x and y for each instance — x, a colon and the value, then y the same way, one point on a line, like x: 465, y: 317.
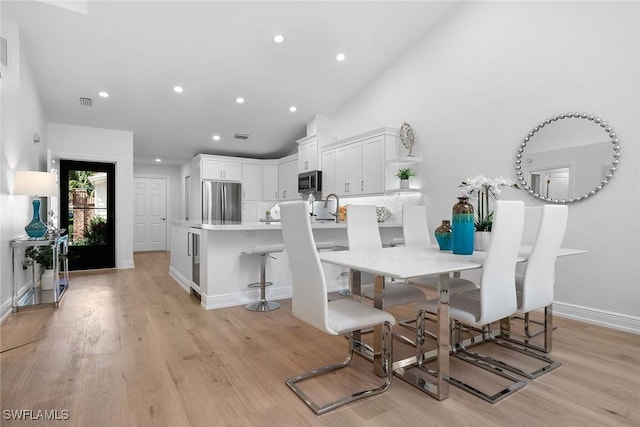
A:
x: 31, y: 294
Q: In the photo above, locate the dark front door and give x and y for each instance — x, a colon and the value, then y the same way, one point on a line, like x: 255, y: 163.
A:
x: 87, y: 212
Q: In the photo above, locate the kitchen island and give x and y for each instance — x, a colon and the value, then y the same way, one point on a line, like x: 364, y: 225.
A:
x: 212, y: 264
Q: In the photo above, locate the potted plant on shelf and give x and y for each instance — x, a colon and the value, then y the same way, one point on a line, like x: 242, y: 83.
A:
x: 404, y: 174
x: 43, y: 256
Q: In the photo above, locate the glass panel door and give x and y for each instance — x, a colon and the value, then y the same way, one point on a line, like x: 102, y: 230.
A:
x: 87, y: 212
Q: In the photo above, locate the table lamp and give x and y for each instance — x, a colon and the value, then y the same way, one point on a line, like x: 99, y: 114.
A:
x: 37, y: 184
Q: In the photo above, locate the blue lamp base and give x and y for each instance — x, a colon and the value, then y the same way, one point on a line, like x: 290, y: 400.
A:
x: 36, y: 229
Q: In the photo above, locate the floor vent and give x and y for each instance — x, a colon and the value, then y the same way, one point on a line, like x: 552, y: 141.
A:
x: 241, y: 136
x: 86, y: 102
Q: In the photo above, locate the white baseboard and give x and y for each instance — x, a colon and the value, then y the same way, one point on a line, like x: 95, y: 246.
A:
x: 5, y: 309
x: 184, y: 283
x: 243, y: 298
x: 127, y: 265
x: 604, y: 318
x: 584, y: 314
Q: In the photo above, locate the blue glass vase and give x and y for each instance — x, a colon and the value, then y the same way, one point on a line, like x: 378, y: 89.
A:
x: 462, y: 225
x: 36, y: 229
x: 443, y: 235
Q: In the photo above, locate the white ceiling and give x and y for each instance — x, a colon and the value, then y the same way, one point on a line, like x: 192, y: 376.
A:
x: 218, y: 51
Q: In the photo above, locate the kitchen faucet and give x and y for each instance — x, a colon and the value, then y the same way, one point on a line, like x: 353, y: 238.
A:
x: 326, y: 200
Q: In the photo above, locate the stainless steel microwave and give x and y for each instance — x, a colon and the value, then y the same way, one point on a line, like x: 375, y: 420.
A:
x: 310, y: 182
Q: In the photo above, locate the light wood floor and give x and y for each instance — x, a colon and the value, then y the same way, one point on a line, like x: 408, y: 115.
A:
x: 131, y: 348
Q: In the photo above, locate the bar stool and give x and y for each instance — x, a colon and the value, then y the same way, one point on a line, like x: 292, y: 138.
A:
x: 263, y: 251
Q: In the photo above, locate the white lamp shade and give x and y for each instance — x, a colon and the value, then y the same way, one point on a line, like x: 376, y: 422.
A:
x: 32, y: 183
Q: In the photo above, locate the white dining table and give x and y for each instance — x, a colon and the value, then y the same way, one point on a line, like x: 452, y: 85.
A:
x: 406, y: 262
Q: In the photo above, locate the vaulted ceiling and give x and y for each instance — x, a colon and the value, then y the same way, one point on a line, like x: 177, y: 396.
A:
x: 138, y: 52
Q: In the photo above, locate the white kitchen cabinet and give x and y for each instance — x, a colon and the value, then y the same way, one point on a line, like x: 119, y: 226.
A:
x: 288, y: 179
x: 270, y: 182
x: 328, y: 159
x: 251, y: 181
x: 184, y: 250
x: 348, y: 169
x: 223, y: 171
x: 308, y: 156
x: 309, y: 149
x: 372, y: 178
x: 359, y: 165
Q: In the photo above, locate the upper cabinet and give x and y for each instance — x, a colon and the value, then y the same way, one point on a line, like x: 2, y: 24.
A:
x: 361, y: 165
x: 251, y: 181
x: 328, y: 161
x: 220, y: 170
x: 270, y: 182
x: 309, y: 150
x: 288, y: 178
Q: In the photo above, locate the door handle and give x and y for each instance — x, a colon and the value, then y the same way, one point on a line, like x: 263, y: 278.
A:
x: 163, y: 219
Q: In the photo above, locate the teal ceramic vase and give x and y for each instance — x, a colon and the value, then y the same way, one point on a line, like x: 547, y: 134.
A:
x: 463, y: 227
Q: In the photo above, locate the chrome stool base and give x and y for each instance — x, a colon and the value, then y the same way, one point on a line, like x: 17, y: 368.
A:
x: 262, y: 306
x: 258, y: 284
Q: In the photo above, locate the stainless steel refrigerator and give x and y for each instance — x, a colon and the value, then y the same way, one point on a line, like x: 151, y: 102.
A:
x: 221, y: 201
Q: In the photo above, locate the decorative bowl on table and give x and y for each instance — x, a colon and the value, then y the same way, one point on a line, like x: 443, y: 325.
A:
x: 383, y: 214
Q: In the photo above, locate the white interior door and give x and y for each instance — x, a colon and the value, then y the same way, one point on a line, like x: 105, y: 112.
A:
x: 150, y: 218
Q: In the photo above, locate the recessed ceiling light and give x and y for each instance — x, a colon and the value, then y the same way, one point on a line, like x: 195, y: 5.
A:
x: 340, y: 57
x: 158, y: 160
x: 103, y: 94
x: 240, y: 100
x: 293, y: 109
x: 178, y: 89
x: 216, y: 137
x: 278, y: 38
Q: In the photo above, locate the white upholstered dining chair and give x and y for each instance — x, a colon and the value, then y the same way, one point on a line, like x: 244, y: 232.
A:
x: 338, y: 317
x: 363, y: 234
x: 534, y: 290
x: 494, y: 300
x: 415, y: 228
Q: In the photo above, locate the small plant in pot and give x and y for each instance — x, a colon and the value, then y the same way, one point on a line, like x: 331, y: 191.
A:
x: 404, y: 174
x: 43, y: 256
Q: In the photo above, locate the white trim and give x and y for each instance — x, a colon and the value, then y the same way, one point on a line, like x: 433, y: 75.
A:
x: 6, y: 309
x: 598, y: 317
x: 249, y: 296
x: 180, y: 279
x: 127, y: 264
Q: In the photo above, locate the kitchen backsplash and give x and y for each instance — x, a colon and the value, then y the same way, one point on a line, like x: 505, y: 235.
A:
x: 392, y: 202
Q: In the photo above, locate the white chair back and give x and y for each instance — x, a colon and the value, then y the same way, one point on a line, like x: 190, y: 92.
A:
x: 539, y: 277
x: 309, y: 293
x: 415, y: 227
x: 362, y: 227
x: 531, y: 224
x: 497, y: 285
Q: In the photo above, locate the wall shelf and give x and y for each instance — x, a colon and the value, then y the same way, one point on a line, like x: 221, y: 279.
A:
x: 405, y: 160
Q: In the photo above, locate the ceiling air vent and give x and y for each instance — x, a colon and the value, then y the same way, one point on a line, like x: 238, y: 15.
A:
x: 242, y: 136
x: 86, y: 102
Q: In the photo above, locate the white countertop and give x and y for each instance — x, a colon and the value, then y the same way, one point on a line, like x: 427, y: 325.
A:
x: 245, y: 226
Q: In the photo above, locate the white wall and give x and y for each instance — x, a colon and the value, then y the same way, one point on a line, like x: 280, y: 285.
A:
x: 475, y: 85
x: 21, y: 114
x: 109, y: 146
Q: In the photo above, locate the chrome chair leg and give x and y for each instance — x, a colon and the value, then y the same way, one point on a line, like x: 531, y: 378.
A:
x: 460, y: 352
x: 547, y: 330
x: 387, y: 353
